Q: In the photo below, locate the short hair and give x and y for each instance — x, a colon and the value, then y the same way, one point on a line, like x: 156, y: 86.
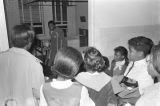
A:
x: 22, y: 35
x: 67, y: 63
x: 155, y: 53
x: 51, y: 22
x: 142, y: 44
x: 122, y: 50
x: 93, y: 60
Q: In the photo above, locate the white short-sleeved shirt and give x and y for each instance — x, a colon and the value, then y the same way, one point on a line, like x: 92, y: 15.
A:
x: 20, y: 73
x: 139, y: 73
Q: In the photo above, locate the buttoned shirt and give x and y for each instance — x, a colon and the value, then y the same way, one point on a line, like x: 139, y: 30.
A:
x: 139, y: 73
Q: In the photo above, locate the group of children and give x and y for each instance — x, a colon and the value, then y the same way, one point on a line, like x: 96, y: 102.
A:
x: 78, y: 80
x: 87, y: 80
x: 81, y: 80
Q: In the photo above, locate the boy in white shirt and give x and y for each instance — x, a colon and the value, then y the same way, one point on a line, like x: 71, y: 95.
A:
x: 139, y: 48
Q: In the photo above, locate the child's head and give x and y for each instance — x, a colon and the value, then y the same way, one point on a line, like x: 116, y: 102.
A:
x: 139, y: 47
x: 120, y: 53
x: 67, y: 62
x: 93, y: 60
x: 106, y: 61
x: 22, y: 36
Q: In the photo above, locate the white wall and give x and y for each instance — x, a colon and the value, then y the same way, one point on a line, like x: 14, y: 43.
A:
x: 3, y: 30
x: 113, y: 22
x: 12, y: 14
x: 81, y: 10
x: 47, y: 16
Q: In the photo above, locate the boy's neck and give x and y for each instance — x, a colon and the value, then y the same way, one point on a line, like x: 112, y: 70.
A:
x: 140, y: 58
x: 121, y: 60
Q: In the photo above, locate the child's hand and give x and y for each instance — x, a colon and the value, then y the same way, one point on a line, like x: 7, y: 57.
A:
x: 113, y: 63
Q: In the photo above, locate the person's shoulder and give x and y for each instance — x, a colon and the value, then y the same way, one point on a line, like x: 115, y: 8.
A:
x: 4, y: 52
x: 83, y: 77
x: 153, y: 88
x: 38, y: 60
x: 77, y: 84
x: 83, y: 74
x: 102, y: 74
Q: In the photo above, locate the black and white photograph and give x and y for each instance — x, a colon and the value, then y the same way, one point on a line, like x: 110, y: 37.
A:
x: 80, y: 53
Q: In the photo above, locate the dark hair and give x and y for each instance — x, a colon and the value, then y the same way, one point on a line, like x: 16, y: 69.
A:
x: 68, y: 61
x: 106, y: 61
x: 155, y: 52
x: 93, y: 60
x: 123, y: 51
x: 22, y: 35
x: 51, y: 22
x: 141, y: 43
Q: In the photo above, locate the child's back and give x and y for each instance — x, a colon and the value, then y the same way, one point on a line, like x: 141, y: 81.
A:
x: 62, y: 97
x: 62, y: 91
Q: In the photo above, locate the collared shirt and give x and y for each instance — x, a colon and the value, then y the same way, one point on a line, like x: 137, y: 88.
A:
x: 84, y: 101
x: 20, y: 73
x: 139, y: 73
x: 95, y: 80
x: 151, y: 96
x: 61, y: 84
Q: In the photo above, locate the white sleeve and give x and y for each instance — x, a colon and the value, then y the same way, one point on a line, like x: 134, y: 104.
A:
x: 42, y: 99
x: 85, y: 99
x: 140, y: 102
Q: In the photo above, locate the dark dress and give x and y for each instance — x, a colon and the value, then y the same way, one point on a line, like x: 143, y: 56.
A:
x: 104, y: 96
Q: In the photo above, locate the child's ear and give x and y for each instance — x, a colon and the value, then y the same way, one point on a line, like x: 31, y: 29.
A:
x: 140, y: 54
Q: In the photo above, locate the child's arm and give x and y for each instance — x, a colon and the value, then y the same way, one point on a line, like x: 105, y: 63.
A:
x: 85, y: 99
x: 42, y: 99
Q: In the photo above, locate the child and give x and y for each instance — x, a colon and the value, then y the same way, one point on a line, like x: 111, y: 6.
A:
x: 120, y: 62
x: 139, y: 48
x: 62, y: 91
x: 151, y: 95
x: 21, y: 74
x: 95, y: 79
